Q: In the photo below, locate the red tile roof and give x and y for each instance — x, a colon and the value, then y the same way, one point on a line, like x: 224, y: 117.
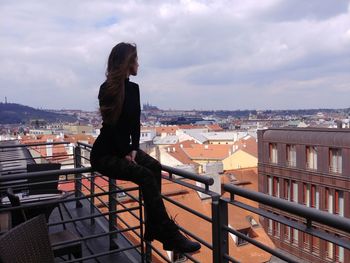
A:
x: 247, y: 144
x: 209, y: 151
x: 188, y: 197
x: 214, y: 127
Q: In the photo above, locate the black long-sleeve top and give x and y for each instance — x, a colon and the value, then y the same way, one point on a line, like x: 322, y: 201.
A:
x: 115, y: 138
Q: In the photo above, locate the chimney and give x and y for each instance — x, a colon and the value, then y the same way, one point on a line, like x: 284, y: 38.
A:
x: 173, y: 149
x: 181, y: 145
x: 339, y: 124
x: 49, y: 148
x: 206, y: 146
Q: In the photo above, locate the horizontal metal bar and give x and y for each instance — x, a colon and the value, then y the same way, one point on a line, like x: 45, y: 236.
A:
x: 192, y: 211
x: 86, y: 145
x: 291, y: 223
x: 58, y: 201
x: 109, y: 252
x: 205, y: 243
x: 31, y: 144
x: 32, y: 158
x: 77, y: 219
x: 48, y: 173
x: 199, y: 178
x: 83, y: 157
x: 260, y: 245
x: 190, y: 257
x: 226, y: 256
x: 94, y: 236
x: 191, y: 186
x: 294, y: 208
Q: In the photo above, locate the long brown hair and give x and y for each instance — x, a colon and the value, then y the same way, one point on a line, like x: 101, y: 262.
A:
x: 121, y: 58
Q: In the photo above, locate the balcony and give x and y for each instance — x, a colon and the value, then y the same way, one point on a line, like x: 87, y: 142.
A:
x: 291, y: 163
x: 335, y: 169
x: 311, y: 166
x: 107, y: 215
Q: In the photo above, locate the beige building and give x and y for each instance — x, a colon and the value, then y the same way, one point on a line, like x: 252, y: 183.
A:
x: 241, y: 154
x: 77, y: 129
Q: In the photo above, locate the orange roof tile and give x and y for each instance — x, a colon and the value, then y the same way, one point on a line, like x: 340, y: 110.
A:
x: 247, y: 144
x: 188, y: 197
x: 179, y: 153
x: 191, y: 126
x: 214, y: 127
x: 74, y: 138
x: 166, y: 129
x: 209, y: 151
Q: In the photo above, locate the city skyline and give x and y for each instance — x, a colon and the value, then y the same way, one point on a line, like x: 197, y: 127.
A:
x: 204, y: 55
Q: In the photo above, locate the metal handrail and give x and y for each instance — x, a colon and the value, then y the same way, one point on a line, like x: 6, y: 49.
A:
x: 20, y: 176
x: 32, y: 144
x: 309, y: 213
x: 199, y: 178
x: 218, y: 219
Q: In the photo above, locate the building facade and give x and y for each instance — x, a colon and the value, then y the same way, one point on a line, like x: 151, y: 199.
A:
x: 309, y: 167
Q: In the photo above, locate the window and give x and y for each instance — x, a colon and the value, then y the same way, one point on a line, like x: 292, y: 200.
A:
x: 295, y: 237
x: 330, y: 251
x: 273, y: 152
x: 294, y: 193
x: 121, y: 194
x: 335, y: 252
x: 276, y: 229
x: 269, y: 229
x: 339, y: 253
x: 287, y: 191
x: 339, y: 203
x: 287, y: 234
x: 252, y: 221
x: 269, y: 185
x: 329, y: 200
x: 306, y: 194
x: 276, y: 187
x: 306, y: 241
x: 315, y: 246
x: 311, y: 157
x: 314, y: 200
x: 317, y: 196
x: 335, y: 160
x: 291, y: 155
x: 247, y: 232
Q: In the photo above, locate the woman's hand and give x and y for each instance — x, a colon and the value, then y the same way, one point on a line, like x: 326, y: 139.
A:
x: 131, y: 156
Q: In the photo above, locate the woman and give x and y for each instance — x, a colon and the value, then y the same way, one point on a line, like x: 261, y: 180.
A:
x: 114, y: 155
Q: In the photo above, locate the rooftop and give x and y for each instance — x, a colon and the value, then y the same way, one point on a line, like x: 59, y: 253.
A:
x: 105, y: 214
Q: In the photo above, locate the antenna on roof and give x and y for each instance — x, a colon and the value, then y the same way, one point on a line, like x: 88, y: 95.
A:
x: 5, y: 100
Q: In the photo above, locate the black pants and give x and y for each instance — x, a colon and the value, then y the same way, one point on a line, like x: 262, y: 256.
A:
x: 146, y: 173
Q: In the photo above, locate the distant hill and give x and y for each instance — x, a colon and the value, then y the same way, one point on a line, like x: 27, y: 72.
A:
x: 12, y: 113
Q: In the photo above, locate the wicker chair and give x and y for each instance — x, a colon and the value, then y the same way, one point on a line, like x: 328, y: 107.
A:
x: 19, y: 216
x: 28, y: 242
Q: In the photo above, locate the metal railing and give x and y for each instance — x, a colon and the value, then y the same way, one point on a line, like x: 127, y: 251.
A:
x: 102, y: 202
x: 181, y: 177
x: 310, y: 219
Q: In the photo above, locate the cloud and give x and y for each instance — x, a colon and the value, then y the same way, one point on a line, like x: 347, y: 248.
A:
x: 192, y: 54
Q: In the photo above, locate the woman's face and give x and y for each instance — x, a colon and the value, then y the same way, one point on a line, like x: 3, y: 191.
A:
x: 134, y: 67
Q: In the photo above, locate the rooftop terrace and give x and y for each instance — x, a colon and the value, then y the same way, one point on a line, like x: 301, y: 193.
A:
x: 106, y: 215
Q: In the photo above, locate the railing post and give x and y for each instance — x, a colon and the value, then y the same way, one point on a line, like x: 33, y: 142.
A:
x: 77, y: 176
x: 112, y: 206
x: 92, y: 199
x: 143, y: 254
x: 219, y: 235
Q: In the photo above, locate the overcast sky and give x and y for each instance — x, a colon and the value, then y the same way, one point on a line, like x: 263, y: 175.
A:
x: 234, y: 54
